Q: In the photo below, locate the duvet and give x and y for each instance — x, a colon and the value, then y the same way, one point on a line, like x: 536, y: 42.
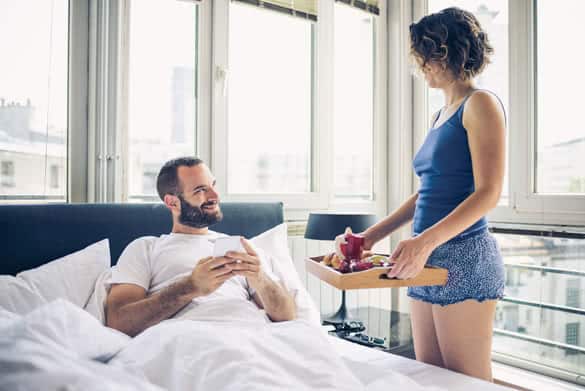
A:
x: 60, y: 346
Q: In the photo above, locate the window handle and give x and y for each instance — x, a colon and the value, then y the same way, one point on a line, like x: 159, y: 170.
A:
x: 222, y: 75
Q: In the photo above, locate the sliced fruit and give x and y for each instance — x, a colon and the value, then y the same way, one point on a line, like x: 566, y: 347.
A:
x: 335, y: 261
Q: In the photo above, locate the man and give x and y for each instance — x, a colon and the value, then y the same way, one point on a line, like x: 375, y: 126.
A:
x: 156, y: 277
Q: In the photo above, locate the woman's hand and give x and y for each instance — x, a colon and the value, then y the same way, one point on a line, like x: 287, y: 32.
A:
x: 365, y: 250
x: 410, y: 257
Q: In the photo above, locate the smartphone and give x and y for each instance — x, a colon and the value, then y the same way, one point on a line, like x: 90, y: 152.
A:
x: 227, y: 243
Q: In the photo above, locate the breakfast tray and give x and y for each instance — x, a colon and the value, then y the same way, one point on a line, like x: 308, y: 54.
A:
x: 372, y: 278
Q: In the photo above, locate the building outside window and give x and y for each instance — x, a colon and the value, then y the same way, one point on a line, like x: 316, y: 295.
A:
x: 33, y: 96
x: 162, y: 90
x: 269, y: 134
x: 7, y: 177
x: 54, y: 176
x: 572, y: 336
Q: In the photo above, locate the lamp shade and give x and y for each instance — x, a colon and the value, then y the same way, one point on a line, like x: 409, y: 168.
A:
x: 326, y: 226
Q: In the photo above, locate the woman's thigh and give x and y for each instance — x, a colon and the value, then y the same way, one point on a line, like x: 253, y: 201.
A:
x: 464, y: 334
x: 426, y: 346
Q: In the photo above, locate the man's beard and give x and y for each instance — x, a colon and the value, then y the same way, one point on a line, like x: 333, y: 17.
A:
x: 196, y: 217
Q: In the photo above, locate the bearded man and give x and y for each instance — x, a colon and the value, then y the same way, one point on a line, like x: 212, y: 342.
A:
x: 175, y: 275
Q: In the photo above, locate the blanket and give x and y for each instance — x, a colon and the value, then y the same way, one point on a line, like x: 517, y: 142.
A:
x: 59, y: 346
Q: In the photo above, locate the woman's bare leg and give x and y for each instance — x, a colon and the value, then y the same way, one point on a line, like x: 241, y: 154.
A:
x: 426, y: 346
x: 464, y: 332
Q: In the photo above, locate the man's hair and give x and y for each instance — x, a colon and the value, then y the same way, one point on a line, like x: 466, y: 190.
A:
x: 167, y: 181
x: 453, y: 38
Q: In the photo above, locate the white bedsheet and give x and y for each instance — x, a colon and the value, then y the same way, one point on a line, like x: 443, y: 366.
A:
x: 369, y: 363
x: 246, y: 355
x: 59, y: 346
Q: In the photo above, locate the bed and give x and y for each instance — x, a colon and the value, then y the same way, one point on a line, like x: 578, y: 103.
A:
x: 51, y: 332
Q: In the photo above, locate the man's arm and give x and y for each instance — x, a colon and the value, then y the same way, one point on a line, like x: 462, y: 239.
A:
x: 129, y: 310
x: 275, y: 300
x: 271, y: 296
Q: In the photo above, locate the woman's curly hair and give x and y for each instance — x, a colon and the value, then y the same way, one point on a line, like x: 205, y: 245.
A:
x: 454, y: 38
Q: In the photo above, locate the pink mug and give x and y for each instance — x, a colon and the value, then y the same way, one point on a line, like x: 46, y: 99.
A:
x: 353, y: 248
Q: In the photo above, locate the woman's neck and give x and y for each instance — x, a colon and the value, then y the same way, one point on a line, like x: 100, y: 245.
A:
x: 456, y: 91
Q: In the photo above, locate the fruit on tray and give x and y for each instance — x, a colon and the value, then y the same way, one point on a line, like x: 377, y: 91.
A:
x: 378, y: 260
x: 327, y: 259
x: 345, y: 266
x: 359, y: 266
x: 336, y: 262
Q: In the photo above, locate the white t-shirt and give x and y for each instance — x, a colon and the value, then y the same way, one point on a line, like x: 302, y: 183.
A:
x: 156, y: 262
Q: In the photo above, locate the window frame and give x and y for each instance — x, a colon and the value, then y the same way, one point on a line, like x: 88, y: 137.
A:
x: 378, y: 204
x: 316, y: 198
x: 321, y: 196
x: 76, y: 123
x: 527, y: 204
x: 103, y: 145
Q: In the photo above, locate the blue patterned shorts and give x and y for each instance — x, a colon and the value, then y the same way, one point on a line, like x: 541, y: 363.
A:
x: 476, y: 271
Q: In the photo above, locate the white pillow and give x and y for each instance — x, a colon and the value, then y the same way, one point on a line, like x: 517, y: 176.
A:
x: 61, y: 323
x: 275, y: 243
x: 71, y: 277
x: 17, y: 297
x: 97, y: 301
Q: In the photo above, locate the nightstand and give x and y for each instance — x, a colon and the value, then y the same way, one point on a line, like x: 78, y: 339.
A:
x: 385, y: 330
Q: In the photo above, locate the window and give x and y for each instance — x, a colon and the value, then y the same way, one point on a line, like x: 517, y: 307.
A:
x: 54, y: 181
x: 560, y: 136
x: 493, y: 17
x: 547, y: 307
x: 354, y: 100
x: 33, y: 97
x: 7, y: 177
x: 572, y: 336
x: 269, y: 132
x: 573, y: 293
x: 162, y: 89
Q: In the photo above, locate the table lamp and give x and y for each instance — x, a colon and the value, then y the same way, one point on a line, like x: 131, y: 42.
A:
x: 326, y: 226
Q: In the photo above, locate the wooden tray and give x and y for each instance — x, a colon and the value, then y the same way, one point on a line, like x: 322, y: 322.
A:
x: 372, y: 278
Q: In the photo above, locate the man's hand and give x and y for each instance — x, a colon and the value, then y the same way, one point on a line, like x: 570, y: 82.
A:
x: 248, y: 265
x: 270, y: 296
x: 210, y: 273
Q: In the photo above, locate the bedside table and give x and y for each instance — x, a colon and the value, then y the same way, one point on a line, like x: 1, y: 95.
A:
x: 385, y: 330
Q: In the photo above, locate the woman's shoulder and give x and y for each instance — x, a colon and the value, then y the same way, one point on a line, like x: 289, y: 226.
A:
x: 482, y: 105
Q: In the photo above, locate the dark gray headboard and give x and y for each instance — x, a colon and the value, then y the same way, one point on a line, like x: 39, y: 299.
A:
x: 31, y: 235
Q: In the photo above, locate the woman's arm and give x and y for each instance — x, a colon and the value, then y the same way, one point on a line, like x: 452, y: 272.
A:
x: 391, y: 223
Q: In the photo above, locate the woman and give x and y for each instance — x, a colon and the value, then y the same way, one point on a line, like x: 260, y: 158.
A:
x: 461, y: 168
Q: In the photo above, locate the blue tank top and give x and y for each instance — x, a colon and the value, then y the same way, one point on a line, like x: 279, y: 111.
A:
x: 443, y: 164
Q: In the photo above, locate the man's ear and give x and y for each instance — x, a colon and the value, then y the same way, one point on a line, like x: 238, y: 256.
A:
x: 171, y: 201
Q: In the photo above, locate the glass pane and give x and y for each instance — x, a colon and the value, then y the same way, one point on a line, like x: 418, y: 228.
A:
x: 493, y: 17
x: 353, y: 110
x: 33, y: 99
x: 269, y: 114
x: 162, y: 105
x: 560, y: 332
x: 560, y: 145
